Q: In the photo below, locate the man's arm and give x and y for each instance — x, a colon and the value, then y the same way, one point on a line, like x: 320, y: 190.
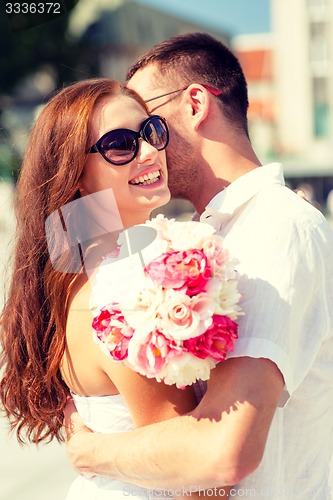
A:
x: 220, y: 442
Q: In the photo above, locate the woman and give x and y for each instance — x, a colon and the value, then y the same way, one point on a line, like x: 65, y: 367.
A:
x: 92, y: 136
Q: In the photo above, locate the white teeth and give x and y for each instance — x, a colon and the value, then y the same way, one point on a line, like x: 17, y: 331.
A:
x: 146, y: 178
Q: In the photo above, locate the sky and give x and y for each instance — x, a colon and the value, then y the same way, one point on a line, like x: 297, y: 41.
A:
x: 234, y: 16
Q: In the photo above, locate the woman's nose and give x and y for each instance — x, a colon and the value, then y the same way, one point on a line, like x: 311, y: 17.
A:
x: 146, y: 151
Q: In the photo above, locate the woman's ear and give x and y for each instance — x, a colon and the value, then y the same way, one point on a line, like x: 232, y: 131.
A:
x: 82, y: 190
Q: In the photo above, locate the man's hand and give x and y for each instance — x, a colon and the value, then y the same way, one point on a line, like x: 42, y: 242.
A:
x: 73, y: 423
x: 75, y: 433
x: 220, y: 442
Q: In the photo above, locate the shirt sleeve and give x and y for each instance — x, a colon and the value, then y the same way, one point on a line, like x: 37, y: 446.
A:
x: 286, y: 285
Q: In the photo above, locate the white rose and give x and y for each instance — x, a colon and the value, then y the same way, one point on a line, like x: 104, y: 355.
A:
x: 186, y: 369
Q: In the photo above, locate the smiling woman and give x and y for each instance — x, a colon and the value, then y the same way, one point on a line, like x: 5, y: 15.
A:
x: 131, y: 155
x: 48, y: 351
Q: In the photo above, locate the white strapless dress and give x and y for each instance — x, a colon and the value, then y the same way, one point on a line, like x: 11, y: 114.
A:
x: 105, y: 414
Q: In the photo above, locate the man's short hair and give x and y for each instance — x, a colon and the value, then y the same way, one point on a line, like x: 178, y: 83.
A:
x: 200, y: 58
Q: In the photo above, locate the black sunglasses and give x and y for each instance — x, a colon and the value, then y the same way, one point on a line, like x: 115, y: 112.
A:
x: 121, y: 146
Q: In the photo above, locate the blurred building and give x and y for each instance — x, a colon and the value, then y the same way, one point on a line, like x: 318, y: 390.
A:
x: 255, y: 53
x: 290, y: 82
x: 122, y: 30
x: 303, y: 80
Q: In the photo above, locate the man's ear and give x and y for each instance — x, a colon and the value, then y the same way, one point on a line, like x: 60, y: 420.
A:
x: 199, y: 100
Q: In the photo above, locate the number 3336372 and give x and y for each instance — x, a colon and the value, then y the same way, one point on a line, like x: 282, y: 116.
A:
x: 33, y: 8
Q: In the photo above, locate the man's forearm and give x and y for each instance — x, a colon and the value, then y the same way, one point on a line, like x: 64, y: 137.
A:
x: 136, y: 456
x: 219, y: 443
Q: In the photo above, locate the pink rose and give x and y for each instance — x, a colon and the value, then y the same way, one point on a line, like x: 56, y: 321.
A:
x: 217, y: 340
x: 113, y: 331
x: 183, y: 317
x: 196, y: 264
x: 149, y: 354
x: 189, y: 268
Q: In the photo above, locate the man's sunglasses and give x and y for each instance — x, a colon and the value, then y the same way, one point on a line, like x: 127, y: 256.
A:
x: 121, y: 146
x: 210, y: 89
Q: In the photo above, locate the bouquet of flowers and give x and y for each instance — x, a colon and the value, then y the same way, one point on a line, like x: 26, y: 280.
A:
x: 178, y: 322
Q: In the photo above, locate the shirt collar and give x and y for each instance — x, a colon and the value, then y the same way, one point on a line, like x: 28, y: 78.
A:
x: 226, y: 202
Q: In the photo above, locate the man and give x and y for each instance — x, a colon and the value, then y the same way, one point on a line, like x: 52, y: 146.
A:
x: 265, y: 423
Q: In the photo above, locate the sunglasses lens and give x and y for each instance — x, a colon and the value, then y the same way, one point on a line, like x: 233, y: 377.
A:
x: 156, y: 133
x: 119, y: 147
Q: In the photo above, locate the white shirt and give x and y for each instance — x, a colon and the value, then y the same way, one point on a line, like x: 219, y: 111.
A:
x: 284, y: 248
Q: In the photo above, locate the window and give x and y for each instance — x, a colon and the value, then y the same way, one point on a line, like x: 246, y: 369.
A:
x: 318, y: 42
x: 320, y: 107
x: 317, y: 3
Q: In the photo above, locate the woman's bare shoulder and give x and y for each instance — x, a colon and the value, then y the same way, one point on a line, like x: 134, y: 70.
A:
x: 82, y: 364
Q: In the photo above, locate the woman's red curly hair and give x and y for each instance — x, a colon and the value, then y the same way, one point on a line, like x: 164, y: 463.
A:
x: 33, y: 320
